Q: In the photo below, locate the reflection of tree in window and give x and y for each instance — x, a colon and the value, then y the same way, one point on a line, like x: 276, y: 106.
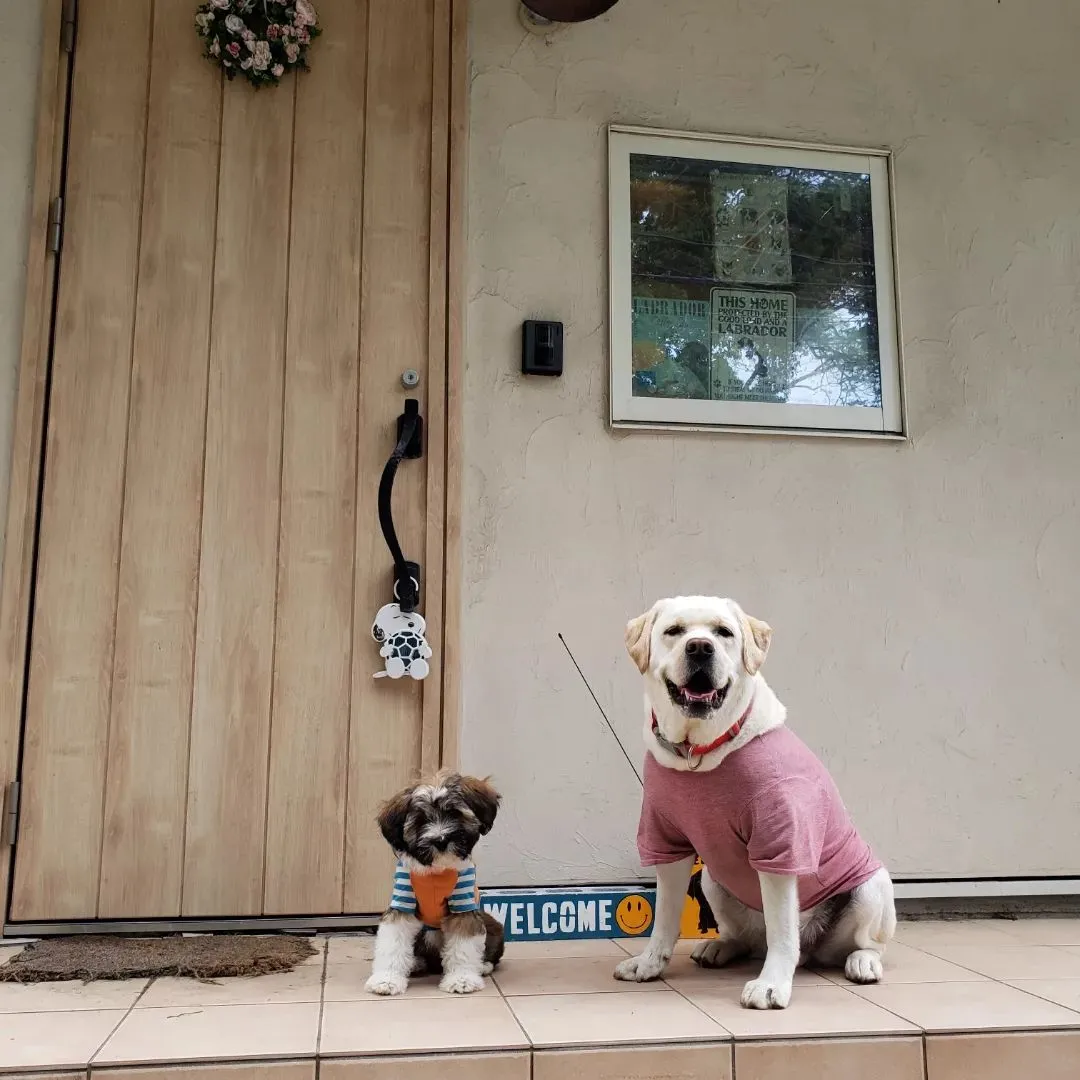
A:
x: 830, y: 234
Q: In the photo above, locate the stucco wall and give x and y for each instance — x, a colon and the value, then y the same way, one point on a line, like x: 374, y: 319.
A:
x: 20, y: 52
x: 925, y: 596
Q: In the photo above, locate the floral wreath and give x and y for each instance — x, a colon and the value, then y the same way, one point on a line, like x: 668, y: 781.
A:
x: 260, y: 39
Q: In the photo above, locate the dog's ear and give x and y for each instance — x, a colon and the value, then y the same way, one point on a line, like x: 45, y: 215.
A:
x: 639, y: 638
x: 756, y: 637
x: 482, y: 799
x: 392, y: 818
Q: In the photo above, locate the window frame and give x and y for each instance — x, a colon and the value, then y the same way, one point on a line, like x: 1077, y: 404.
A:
x: 887, y: 421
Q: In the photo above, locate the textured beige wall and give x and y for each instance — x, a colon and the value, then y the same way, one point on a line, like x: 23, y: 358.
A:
x: 925, y: 597
x: 20, y: 54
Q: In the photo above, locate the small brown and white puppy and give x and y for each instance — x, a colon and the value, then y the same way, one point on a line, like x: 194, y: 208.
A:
x: 786, y: 874
x: 434, y: 924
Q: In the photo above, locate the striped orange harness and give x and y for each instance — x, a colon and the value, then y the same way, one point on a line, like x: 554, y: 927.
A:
x: 431, y: 896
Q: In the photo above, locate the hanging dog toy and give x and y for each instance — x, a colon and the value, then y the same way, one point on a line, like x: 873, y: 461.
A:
x: 399, y: 628
x: 404, y: 648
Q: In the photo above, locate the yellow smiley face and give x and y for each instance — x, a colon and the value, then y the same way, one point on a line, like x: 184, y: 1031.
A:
x: 633, y: 915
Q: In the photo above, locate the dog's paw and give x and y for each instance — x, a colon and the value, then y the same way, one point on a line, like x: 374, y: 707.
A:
x: 763, y: 994
x: 486, y: 968
x: 642, y: 968
x: 462, y: 982
x: 864, y: 966
x: 386, y: 985
x: 714, y: 953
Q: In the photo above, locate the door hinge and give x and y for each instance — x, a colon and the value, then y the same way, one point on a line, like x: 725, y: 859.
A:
x: 9, y: 823
x: 56, y: 224
x: 67, y: 26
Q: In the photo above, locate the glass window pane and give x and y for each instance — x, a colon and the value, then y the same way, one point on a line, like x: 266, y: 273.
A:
x: 752, y: 283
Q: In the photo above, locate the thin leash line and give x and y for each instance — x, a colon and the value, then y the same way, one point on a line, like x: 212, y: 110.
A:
x: 600, y: 708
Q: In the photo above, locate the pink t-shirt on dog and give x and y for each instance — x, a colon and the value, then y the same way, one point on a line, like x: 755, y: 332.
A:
x: 770, y: 806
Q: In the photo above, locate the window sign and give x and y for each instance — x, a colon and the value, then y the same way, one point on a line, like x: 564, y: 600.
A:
x: 752, y: 286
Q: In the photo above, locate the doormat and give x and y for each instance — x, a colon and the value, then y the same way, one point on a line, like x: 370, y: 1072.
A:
x: 202, y: 957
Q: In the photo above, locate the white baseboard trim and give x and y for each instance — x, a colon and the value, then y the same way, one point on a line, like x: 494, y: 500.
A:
x: 999, y: 887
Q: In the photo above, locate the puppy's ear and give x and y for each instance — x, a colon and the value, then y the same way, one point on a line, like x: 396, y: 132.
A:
x: 482, y: 799
x: 392, y: 817
x: 639, y: 638
x: 756, y: 637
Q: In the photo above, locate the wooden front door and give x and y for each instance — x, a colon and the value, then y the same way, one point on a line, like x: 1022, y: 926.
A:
x: 244, y: 278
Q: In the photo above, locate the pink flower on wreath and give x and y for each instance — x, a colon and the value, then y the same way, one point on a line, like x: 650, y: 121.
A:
x: 273, y: 31
x: 262, y: 55
x: 304, y: 37
x: 305, y: 14
x: 277, y: 71
x: 292, y: 51
x: 233, y: 49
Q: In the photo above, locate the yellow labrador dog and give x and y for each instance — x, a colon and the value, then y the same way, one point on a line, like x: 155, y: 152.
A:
x: 786, y: 874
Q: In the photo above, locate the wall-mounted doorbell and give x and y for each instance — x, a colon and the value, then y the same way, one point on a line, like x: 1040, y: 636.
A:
x: 541, y: 347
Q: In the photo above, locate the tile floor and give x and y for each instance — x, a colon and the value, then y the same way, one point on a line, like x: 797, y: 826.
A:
x: 991, y: 1000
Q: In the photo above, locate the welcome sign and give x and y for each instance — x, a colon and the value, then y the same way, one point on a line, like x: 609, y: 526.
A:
x: 568, y: 914
x: 575, y: 914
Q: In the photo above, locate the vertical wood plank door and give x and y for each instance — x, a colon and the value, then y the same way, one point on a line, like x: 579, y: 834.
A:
x: 244, y: 278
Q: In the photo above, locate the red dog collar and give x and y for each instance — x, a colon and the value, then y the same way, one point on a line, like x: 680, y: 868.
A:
x: 690, y: 751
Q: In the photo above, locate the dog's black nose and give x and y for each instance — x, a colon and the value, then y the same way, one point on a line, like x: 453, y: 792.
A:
x: 700, y: 647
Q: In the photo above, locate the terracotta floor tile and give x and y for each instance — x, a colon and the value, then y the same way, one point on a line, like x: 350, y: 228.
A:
x: 682, y: 973
x: 612, y: 1019
x: 691, y: 1062
x: 904, y: 964
x: 564, y: 996
x: 571, y: 975
x: 549, y: 950
x: 815, y: 1011
x: 345, y: 982
x: 412, y: 1025
x: 282, y: 988
x: 350, y: 949
x: 926, y: 933
x: 514, y: 1066
x: 1047, y: 1055
x: 962, y: 1007
x: 831, y: 1059
x: 1060, y: 991
x: 1009, y: 962
x: 635, y: 946
x: 54, y: 1040
x: 264, y: 1070
x: 80, y: 1075
x: 71, y: 996
x: 1045, y: 931
x: 213, y: 1033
